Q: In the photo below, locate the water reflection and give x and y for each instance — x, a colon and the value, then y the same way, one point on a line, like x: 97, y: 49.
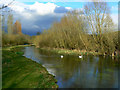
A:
x: 73, y: 72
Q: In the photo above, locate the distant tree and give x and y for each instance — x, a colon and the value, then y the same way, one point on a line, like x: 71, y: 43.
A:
x: 10, y: 24
x: 0, y: 23
x: 3, y: 23
x: 17, y: 28
x: 38, y: 33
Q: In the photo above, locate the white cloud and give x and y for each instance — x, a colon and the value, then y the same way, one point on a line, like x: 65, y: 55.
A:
x: 43, y: 9
x: 5, y: 2
x: 35, y: 26
x: 27, y: 15
x: 36, y: 8
x: 115, y: 18
x: 68, y: 8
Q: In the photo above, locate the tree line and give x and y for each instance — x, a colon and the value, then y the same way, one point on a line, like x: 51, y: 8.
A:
x: 13, y: 35
x: 90, y: 29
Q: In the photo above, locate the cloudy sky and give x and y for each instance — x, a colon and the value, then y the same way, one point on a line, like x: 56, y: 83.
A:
x: 37, y: 15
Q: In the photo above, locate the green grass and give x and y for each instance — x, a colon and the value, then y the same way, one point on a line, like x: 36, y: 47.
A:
x: 12, y: 47
x: 20, y: 72
x: 70, y: 52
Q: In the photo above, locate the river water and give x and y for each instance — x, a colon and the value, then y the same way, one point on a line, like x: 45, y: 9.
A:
x: 73, y: 72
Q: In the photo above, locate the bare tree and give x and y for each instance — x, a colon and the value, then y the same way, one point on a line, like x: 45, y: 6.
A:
x: 96, y: 13
x: 10, y: 24
x: 0, y: 31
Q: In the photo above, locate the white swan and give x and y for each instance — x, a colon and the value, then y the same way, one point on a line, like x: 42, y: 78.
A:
x: 61, y: 56
x: 80, y: 56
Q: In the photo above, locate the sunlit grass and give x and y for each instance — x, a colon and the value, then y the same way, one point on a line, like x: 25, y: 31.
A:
x: 20, y: 72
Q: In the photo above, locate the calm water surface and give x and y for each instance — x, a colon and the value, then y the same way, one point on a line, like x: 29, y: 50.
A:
x: 73, y: 72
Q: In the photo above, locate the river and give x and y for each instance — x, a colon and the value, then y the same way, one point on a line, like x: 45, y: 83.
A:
x: 73, y: 72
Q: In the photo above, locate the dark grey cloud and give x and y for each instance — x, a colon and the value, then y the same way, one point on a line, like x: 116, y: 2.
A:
x: 37, y: 23
x: 43, y: 22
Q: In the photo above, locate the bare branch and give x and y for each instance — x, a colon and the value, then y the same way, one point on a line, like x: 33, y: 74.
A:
x: 5, y: 6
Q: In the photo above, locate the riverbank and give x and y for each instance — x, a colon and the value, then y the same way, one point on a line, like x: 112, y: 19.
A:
x: 21, y: 72
x: 70, y: 52
x: 13, y: 47
x: 76, y: 52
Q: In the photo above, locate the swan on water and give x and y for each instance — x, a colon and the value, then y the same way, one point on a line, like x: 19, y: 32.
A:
x: 80, y: 56
x: 61, y: 56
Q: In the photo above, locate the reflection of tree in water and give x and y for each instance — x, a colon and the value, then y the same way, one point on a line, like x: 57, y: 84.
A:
x: 70, y: 66
x: 78, y: 72
x: 45, y: 52
x: 104, y: 72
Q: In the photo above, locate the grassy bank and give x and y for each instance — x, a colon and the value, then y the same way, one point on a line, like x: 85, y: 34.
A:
x: 13, y: 47
x: 20, y: 72
x: 70, y: 52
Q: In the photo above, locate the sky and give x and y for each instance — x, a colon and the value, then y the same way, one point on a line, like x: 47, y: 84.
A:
x: 37, y: 15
